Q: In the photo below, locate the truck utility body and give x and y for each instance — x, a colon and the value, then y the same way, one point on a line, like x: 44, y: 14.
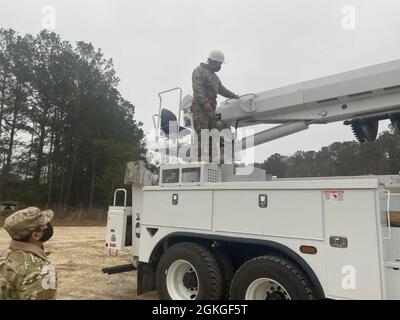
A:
x: 209, y: 231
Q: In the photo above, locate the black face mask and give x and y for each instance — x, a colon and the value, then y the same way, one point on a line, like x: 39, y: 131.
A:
x: 47, y: 233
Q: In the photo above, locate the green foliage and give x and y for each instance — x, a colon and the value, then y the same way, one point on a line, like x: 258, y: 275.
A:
x: 66, y: 133
x: 347, y: 158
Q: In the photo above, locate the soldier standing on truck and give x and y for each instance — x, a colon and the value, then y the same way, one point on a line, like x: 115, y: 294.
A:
x: 25, y: 271
x: 206, y: 87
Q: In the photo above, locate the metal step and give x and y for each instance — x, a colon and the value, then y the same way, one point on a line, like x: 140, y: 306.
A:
x: 119, y: 269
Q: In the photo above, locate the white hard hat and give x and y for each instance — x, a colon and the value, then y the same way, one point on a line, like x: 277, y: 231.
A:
x: 217, y: 55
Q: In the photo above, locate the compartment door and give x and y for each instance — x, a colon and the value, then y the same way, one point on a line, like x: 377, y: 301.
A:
x: 352, y: 246
x: 119, y: 228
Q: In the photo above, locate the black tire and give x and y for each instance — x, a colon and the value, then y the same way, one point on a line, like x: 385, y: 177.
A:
x: 209, y: 276
x: 278, y: 269
x: 226, y: 266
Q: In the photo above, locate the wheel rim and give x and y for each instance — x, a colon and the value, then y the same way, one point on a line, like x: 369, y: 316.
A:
x: 182, y: 281
x: 266, y: 289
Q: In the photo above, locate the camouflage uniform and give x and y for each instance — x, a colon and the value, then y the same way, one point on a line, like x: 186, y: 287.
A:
x: 206, y: 87
x: 25, y: 272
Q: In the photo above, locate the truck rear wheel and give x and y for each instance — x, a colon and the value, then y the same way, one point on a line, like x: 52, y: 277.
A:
x: 227, y: 270
x: 188, y: 271
x: 270, y: 278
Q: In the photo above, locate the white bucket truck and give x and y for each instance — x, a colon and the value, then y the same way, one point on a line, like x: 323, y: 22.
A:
x: 208, y: 232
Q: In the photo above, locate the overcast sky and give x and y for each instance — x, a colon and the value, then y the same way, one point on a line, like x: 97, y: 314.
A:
x: 156, y: 44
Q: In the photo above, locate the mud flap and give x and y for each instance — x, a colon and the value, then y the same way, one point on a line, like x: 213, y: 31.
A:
x: 146, y: 278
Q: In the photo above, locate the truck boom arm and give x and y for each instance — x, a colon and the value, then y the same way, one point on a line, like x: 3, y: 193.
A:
x: 369, y: 94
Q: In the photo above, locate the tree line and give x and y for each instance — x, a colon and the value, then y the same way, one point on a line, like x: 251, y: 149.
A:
x: 66, y: 133
x: 340, y: 159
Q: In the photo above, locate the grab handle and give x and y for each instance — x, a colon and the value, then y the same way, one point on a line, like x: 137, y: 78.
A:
x: 244, y: 95
x: 115, y: 196
x: 388, y: 216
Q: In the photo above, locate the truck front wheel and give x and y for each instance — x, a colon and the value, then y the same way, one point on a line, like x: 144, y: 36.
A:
x: 188, y: 271
x: 270, y: 278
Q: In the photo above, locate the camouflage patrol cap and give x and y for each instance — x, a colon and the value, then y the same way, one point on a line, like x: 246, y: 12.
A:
x: 23, y: 222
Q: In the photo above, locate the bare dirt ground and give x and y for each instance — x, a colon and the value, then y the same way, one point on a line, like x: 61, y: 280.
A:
x: 78, y: 254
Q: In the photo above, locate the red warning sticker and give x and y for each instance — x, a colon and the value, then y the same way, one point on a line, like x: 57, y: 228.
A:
x: 336, y: 195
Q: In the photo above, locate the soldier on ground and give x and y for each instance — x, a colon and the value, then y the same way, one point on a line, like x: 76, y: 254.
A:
x: 25, y: 272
